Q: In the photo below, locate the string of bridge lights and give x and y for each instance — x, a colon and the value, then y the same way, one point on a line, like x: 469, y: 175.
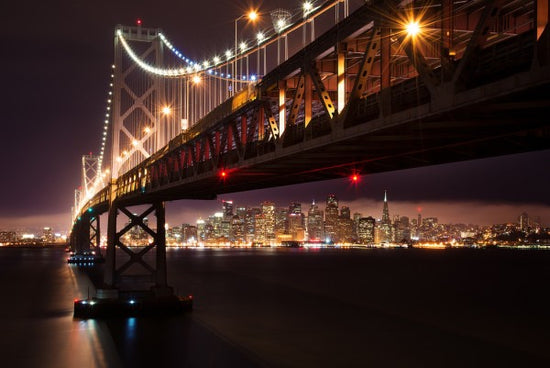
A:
x: 193, y: 68
x: 106, y: 121
x: 210, y: 65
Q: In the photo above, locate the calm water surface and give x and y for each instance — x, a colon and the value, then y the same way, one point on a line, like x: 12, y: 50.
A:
x: 291, y: 308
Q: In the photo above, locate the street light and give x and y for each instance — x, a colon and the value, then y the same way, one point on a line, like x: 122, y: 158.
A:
x: 307, y: 7
x: 281, y: 20
x: 252, y: 16
x: 260, y: 37
x: 413, y: 28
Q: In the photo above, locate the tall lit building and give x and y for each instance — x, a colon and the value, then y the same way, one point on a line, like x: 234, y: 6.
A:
x: 356, y: 217
x: 385, y: 223
x: 365, y: 230
x: 331, y: 218
x: 189, y: 233
x: 401, y: 229
x: 47, y: 235
x: 201, y: 230
x: 268, y: 213
x: 281, y: 220
x: 315, y: 223
x: 227, y: 210
x: 250, y: 223
x: 523, y: 220
x: 345, y: 231
x: 296, y: 221
x: 237, y: 229
x: 216, y: 222
x: 259, y: 228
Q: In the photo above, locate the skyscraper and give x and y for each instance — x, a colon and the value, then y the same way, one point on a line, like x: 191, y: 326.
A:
x: 296, y: 221
x: 365, y: 230
x: 315, y: 223
x: 385, y: 223
x: 345, y: 230
x: 268, y: 213
x: 227, y: 210
x: 331, y: 218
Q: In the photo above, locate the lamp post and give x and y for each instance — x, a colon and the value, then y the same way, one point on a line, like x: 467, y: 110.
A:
x: 260, y: 37
x: 252, y: 16
x: 307, y: 7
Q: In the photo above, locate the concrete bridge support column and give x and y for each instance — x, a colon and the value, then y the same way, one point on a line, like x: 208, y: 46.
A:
x: 82, y: 236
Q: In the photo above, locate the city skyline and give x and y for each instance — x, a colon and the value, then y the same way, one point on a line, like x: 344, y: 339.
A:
x: 190, y: 211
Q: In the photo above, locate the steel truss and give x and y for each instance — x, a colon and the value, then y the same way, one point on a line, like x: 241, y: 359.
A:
x: 114, y: 275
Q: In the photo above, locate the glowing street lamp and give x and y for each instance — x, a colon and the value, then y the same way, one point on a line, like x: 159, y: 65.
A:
x: 166, y: 110
x: 196, y: 79
x: 412, y: 28
x: 252, y: 16
x: 307, y: 6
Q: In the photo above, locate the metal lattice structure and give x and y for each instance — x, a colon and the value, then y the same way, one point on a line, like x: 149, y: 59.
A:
x: 90, y: 174
x: 137, y: 127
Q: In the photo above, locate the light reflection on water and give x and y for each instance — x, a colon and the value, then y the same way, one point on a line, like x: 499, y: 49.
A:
x: 279, y: 306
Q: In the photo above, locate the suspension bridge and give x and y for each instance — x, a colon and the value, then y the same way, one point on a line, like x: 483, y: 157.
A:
x: 386, y: 86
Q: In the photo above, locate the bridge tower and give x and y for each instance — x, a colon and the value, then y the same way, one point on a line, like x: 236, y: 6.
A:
x: 146, y: 113
x: 90, y: 175
x: 146, y: 107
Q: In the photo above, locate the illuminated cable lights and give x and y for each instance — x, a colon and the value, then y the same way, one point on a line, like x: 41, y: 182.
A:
x: 149, y: 68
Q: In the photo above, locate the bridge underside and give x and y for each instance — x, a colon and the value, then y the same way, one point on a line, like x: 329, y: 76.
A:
x: 485, y: 129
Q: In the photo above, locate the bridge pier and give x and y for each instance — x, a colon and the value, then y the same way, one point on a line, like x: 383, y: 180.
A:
x: 156, y: 277
x: 85, y: 239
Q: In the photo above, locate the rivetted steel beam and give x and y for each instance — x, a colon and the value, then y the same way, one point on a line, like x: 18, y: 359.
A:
x: 417, y: 60
x: 297, y: 102
x: 488, y: 18
x: 308, y: 99
x: 364, y: 72
x: 282, y: 106
x: 322, y: 92
x: 273, y: 126
x: 341, y: 76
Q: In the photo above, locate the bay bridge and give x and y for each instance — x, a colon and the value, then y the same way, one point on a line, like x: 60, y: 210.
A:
x: 386, y: 86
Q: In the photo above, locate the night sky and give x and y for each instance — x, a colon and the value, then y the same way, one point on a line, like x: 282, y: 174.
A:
x: 56, y: 59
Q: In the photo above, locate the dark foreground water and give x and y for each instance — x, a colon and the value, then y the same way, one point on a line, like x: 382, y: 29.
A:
x: 292, y: 308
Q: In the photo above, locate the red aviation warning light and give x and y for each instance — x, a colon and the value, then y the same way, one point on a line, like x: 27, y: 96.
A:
x: 138, y: 22
x: 223, y: 174
x: 354, y: 178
